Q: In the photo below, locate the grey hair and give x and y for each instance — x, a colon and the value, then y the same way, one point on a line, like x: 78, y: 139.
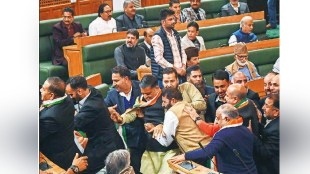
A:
x: 117, y: 161
x: 234, y: 75
x: 126, y: 3
x: 245, y: 18
x: 228, y: 110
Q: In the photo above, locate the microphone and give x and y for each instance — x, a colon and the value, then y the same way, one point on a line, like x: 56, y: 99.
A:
x: 238, y: 155
x: 201, y: 146
x: 181, y: 149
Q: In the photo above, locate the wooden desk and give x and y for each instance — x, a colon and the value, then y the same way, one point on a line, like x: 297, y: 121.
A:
x: 198, y: 170
x: 54, y: 168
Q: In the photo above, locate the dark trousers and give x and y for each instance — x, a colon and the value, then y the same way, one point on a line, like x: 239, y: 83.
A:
x: 135, y: 158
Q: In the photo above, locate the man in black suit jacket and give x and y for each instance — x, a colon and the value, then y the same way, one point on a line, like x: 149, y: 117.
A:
x: 129, y: 20
x: 93, y: 118
x: 56, y: 124
x: 146, y: 45
x: 266, y: 147
x: 220, y: 79
x: 121, y: 98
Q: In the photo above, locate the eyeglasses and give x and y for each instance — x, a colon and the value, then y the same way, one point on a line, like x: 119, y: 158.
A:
x: 242, y: 56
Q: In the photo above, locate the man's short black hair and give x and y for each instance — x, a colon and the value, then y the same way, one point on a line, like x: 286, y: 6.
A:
x: 170, y: 93
x: 192, y: 68
x: 148, y: 80
x: 123, y: 71
x: 57, y: 86
x: 133, y: 32
x: 101, y: 8
x: 68, y: 9
x: 173, y: 2
x: 164, y: 13
x: 77, y: 82
x: 276, y: 100
x: 170, y: 70
x: 220, y: 75
x: 193, y: 24
x: 191, y: 52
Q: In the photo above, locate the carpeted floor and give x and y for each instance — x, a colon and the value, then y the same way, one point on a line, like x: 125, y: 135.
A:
x: 273, y: 33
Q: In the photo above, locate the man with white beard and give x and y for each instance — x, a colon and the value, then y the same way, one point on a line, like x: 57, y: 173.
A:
x: 242, y: 63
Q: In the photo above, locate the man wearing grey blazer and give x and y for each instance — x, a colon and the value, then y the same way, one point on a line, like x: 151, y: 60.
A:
x: 234, y: 7
x: 191, y: 39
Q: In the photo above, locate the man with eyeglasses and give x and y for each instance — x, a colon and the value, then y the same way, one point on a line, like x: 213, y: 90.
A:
x: 242, y: 63
x: 194, y: 12
x: 244, y: 34
x: 104, y: 23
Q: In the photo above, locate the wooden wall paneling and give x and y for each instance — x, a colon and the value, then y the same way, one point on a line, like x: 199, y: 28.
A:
x: 55, y: 11
x: 145, y: 3
x: 74, y: 57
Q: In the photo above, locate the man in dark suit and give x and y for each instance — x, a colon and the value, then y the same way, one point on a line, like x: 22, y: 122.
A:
x: 129, y: 20
x: 93, y: 118
x: 63, y: 34
x: 121, y: 98
x: 56, y: 126
x: 220, y: 79
x: 234, y: 7
x: 266, y: 146
x: 146, y: 45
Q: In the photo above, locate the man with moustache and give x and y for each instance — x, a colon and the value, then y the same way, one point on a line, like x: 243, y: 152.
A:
x: 130, y: 54
x: 129, y: 20
x: 175, y: 6
x: 267, y: 84
x: 119, y: 99
x: 56, y: 123
x: 167, y: 50
x: 244, y: 34
x: 220, y: 79
x: 267, y: 145
x: 275, y: 84
x: 234, y: 7
x: 63, y: 34
x: 189, y: 92
x: 242, y: 63
x: 93, y: 118
x: 194, y: 12
x: 104, y: 23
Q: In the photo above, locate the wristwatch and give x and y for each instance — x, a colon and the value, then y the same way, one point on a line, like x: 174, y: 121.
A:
x: 196, y: 119
x: 74, y: 168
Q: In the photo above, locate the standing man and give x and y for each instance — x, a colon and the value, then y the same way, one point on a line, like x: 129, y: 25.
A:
x: 104, y: 23
x: 220, y: 79
x: 234, y: 7
x: 119, y: 99
x: 56, y: 126
x: 129, y: 20
x: 272, y: 14
x: 93, y: 118
x: 267, y: 145
x: 175, y: 6
x: 130, y: 54
x: 63, y: 34
x: 244, y: 34
x: 191, y: 39
x: 146, y: 45
x: 167, y: 50
x: 194, y: 12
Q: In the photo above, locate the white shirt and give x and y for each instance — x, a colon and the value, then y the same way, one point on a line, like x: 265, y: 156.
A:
x: 171, y: 123
x: 236, y: 8
x: 100, y: 26
x: 128, y: 96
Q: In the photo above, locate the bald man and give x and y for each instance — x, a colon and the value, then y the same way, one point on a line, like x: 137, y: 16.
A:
x: 236, y: 96
x: 244, y: 34
x: 240, y: 78
x: 275, y: 85
x: 146, y: 45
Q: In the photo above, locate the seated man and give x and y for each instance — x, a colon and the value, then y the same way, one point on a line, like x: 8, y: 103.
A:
x: 234, y: 7
x: 118, y: 162
x: 244, y: 34
x: 192, y: 54
x: 175, y: 6
x: 230, y: 140
x: 242, y: 63
x: 191, y: 39
x: 130, y: 54
x: 146, y: 45
x: 56, y: 123
x: 63, y: 34
x: 194, y: 12
x: 104, y: 23
x: 129, y: 20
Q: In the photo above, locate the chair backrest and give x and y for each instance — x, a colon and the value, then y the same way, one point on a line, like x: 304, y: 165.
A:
x: 257, y: 86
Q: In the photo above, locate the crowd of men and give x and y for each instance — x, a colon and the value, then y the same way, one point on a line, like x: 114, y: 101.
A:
x: 166, y: 115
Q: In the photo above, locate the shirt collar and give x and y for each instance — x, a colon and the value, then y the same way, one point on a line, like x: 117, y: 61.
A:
x: 218, y: 99
x: 84, y: 99
x: 234, y: 6
x: 149, y: 46
x: 126, y: 96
